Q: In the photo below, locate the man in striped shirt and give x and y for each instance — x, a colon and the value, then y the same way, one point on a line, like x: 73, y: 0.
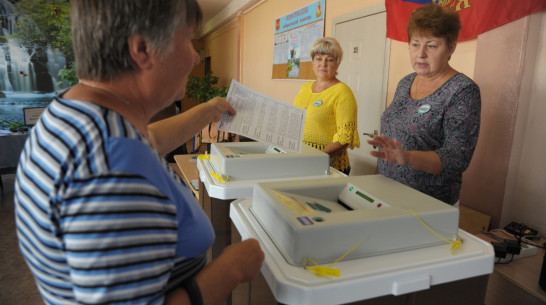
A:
x: 101, y: 217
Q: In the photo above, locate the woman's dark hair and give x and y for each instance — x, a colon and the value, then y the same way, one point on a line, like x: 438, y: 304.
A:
x: 439, y: 21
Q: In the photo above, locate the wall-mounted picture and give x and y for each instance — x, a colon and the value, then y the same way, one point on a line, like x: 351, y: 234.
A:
x: 36, y: 58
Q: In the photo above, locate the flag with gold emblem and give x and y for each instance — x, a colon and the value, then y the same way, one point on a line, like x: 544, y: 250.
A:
x: 477, y: 16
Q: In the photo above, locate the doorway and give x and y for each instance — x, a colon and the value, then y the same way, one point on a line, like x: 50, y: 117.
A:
x: 364, y: 68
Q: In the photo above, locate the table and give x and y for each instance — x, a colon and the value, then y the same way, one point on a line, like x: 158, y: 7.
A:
x: 216, y: 209
x: 517, y: 281
x: 187, y: 169
x: 10, y: 149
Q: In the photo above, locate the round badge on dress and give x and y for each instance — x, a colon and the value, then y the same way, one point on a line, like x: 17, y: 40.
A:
x: 317, y: 103
x: 424, y: 108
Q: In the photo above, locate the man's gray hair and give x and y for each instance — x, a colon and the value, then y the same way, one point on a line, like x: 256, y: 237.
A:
x: 101, y: 28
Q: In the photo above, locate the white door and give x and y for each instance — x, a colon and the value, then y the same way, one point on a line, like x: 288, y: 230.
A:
x: 363, y: 37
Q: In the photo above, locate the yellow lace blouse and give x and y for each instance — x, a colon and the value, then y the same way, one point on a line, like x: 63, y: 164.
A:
x: 331, y: 117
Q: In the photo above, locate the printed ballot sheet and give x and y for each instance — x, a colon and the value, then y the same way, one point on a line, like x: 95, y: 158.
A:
x: 263, y: 119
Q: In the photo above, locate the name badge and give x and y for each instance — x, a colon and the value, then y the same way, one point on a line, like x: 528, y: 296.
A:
x: 317, y: 103
x: 424, y: 108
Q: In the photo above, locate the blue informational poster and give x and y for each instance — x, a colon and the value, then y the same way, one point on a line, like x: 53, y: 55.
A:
x: 294, y: 35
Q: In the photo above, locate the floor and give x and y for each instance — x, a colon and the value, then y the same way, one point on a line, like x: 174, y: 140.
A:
x: 17, y: 285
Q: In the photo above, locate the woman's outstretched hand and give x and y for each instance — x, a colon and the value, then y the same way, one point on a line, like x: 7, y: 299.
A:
x: 390, y: 150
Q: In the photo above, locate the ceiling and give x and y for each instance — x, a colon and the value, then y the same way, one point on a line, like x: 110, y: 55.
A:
x: 217, y: 12
x: 212, y: 7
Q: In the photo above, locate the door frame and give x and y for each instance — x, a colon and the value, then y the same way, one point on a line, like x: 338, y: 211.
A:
x: 363, y: 13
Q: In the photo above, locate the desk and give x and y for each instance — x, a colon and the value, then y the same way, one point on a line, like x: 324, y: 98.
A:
x: 10, y: 149
x: 187, y: 169
x: 517, y: 281
x: 216, y: 209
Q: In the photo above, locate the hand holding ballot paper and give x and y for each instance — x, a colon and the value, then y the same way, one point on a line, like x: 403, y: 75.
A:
x: 263, y: 119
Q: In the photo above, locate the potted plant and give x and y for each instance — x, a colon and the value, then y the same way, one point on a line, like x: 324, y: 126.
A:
x: 203, y: 89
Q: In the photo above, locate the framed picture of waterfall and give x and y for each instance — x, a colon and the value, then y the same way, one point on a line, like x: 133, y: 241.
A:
x: 36, y: 58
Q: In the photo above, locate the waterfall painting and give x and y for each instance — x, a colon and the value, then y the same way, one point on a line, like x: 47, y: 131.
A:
x: 35, y: 54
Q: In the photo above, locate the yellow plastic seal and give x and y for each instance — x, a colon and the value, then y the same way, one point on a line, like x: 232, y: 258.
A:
x: 324, y: 271
x: 455, y: 245
x: 222, y: 179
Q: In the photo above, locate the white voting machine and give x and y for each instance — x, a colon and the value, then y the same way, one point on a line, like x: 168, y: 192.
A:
x: 232, y: 168
x: 255, y: 160
x: 396, y: 273
x: 324, y: 218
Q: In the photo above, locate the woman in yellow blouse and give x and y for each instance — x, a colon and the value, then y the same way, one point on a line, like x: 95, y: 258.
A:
x: 331, y: 119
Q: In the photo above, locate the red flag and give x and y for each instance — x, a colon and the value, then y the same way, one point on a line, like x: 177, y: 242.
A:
x: 477, y: 16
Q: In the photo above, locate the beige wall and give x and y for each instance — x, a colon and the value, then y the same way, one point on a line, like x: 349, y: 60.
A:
x: 399, y: 65
x: 222, y: 47
x: 507, y: 175
x: 496, y: 182
x: 257, y: 40
x: 525, y: 197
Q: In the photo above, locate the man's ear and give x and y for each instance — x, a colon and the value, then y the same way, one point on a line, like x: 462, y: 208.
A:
x: 139, y: 51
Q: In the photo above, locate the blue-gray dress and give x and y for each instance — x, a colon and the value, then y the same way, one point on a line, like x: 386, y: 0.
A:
x: 447, y: 122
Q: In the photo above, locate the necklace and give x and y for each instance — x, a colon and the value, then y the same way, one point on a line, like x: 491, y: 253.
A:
x: 105, y: 90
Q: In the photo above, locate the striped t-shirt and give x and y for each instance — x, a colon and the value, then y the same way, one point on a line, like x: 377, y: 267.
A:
x: 101, y: 217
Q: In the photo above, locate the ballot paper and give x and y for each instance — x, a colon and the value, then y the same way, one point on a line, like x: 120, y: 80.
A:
x: 263, y: 119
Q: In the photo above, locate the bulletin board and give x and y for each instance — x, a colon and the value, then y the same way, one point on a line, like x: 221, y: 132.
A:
x: 32, y: 114
x: 294, y: 36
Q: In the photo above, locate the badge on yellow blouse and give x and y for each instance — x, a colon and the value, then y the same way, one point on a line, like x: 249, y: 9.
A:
x: 424, y: 108
x: 317, y: 103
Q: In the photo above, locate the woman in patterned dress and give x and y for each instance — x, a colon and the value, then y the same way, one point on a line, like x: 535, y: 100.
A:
x: 430, y: 130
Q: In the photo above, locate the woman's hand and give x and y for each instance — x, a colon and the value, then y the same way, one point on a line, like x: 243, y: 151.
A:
x: 169, y: 133
x: 390, y: 150
x: 246, y: 257
x: 217, y: 106
x: 237, y: 263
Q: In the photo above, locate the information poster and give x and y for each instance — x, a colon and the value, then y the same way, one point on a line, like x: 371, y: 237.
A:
x: 294, y: 36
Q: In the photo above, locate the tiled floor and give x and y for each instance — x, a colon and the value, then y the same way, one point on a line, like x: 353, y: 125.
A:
x: 17, y: 286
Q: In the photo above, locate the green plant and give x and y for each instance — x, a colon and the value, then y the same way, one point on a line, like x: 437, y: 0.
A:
x: 68, y: 75
x: 202, y: 89
x: 15, y: 126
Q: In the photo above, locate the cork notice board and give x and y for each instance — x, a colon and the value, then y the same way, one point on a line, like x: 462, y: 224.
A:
x: 294, y: 36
